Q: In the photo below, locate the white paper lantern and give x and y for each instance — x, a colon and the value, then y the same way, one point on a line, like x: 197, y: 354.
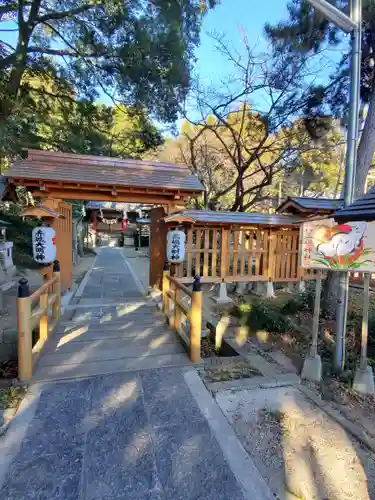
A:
x: 44, y: 244
x: 176, y: 246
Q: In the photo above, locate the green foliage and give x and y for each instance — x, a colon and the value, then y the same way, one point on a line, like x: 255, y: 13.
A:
x: 44, y: 122
x: 304, y: 36
x: 138, y: 53
x: 299, y: 303
x: 262, y: 315
x: 19, y: 231
x: 308, y: 32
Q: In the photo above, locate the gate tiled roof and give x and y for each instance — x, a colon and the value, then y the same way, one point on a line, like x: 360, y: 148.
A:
x: 63, y: 167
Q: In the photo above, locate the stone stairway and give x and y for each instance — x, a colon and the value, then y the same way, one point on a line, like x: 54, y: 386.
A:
x: 100, y: 340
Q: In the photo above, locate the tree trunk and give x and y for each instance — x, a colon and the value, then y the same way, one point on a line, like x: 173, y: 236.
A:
x: 19, y: 64
x: 366, y: 147
x: 238, y: 202
x: 330, y: 293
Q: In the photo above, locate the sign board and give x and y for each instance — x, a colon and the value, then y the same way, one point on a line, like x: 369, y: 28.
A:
x: 327, y: 245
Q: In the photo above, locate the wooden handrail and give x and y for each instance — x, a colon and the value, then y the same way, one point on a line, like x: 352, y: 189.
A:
x: 180, y: 285
x: 43, y: 289
x: 177, y: 303
x: 29, y: 318
x: 194, y: 313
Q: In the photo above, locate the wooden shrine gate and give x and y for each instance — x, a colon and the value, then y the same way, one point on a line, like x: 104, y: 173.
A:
x: 64, y: 176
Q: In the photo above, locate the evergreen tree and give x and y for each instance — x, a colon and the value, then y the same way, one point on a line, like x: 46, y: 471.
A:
x: 306, y: 33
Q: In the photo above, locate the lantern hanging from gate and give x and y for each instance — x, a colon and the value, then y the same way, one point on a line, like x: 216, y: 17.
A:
x: 176, y: 246
x: 44, y: 244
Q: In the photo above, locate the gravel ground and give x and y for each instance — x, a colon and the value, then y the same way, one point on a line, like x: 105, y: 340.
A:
x: 301, y: 452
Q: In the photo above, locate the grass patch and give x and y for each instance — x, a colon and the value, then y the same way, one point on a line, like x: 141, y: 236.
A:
x: 11, y: 397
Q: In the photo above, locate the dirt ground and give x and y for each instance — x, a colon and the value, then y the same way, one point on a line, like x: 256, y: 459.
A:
x: 301, y: 452
x: 233, y: 371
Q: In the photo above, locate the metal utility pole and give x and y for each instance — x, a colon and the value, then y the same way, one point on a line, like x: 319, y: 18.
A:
x: 350, y: 167
x: 350, y: 25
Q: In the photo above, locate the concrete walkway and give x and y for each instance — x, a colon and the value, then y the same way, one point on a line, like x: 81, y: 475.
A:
x: 139, y: 436
x: 110, y: 327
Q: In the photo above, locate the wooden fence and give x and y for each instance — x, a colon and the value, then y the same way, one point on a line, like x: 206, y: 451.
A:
x: 242, y: 255
x: 48, y: 297
x: 357, y: 279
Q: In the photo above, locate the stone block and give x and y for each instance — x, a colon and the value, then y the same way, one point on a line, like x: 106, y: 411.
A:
x: 6, y: 258
x: 170, y: 403
x: 191, y: 464
x: 117, y: 465
x: 44, y: 476
x: 364, y: 381
x: 223, y: 297
x: 10, y: 336
x: 312, y: 368
x: 8, y: 351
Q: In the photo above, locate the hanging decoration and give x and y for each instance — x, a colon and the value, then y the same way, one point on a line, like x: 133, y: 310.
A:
x: 176, y: 246
x: 44, y: 244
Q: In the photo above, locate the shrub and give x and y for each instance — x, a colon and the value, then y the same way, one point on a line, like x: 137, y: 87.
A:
x: 19, y: 231
x: 261, y: 315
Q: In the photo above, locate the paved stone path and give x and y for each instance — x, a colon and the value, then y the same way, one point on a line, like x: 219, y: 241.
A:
x: 121, y: 436
x: 112, y: 328
x: 126, y: 432
x: 110, y: 279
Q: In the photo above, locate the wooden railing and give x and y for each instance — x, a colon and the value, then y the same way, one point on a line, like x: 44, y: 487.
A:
x: 172, y: 291
x: 48, y: 298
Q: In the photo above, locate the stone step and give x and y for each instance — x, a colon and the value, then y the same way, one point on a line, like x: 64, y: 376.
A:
x: 107, y: 302
x: 96, y: 316
x: 95, y: 352
x: 80, y: 370
x: 64, y: 344
x: 128, y: 329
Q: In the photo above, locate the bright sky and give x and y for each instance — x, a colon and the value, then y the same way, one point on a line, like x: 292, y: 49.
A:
x: 233, y: 18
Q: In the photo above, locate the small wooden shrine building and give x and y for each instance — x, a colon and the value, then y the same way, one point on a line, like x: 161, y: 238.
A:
x: 306, y: 207
x: 233, y: 247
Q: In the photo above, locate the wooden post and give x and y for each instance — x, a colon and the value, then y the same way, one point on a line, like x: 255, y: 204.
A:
x: 196, y: 321
x: 315, y: 327
x: 43, y: 320
x: 25, y: 359
x: 177, y: 310
x: 165, y: 290
x: 364, y: 378
x: 56, y: 308
x: 158, y: 242
x: 312, y: 366
x: 224, y: 254
x: 271, y: 271
x: 364, y: 336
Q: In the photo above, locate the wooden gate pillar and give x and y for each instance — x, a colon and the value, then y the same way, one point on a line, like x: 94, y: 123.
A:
x: 64, y: 244
x: 158, y: 243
